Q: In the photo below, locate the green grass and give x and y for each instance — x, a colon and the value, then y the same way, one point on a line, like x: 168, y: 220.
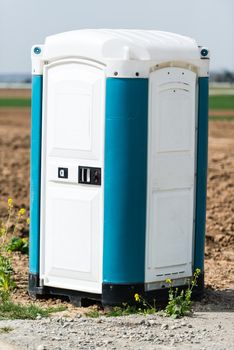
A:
x: 221, y: 118
x: 221, y: 102
x: 129, y: 310
x: 115, y: 311
x: 10, y: 310
x: 123, y: 310
x: 15, y: 102
x: 93, y: 314
x: 215, y: 102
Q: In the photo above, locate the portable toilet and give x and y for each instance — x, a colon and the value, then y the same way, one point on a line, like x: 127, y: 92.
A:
x: 118, y: 164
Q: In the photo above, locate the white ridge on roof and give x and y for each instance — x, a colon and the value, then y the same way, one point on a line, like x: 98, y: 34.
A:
x: 120, y: 44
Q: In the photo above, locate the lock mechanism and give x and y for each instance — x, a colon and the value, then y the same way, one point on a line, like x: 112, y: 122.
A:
x: 89, y: 175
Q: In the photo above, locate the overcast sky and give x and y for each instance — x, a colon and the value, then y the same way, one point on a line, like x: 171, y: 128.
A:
x: 27, y: 22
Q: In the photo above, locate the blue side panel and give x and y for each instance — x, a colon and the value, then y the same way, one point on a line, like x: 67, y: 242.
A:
x: 125, y: 180
x: 202, y: 158
x: 35, y: 174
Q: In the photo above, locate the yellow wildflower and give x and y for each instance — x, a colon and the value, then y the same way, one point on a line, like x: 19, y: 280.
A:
x: 137, y: 297
x: 28, y: 221
x: 10, y: 203
x: 168, y: 281
x: 21, y: 212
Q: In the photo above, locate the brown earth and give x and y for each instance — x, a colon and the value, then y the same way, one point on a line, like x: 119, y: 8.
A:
x: 221, y: 112
x: 219, y: 264
x: 219, y: 254
x: 15, y: 93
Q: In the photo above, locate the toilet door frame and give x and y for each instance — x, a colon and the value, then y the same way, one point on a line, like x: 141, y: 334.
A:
x: 167, y: 78
x: 88, y: 277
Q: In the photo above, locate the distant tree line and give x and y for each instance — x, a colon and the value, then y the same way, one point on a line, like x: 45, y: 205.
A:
x: 222, y: 77
x: 215, y: 77
x: 15, y: 78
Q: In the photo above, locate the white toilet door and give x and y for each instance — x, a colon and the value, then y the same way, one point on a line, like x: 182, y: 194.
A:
x: 171, y: 174
x: 72, y: 212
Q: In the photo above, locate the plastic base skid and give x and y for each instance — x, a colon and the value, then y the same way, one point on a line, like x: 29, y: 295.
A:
x: 112, y: 294
x: 77, y: 298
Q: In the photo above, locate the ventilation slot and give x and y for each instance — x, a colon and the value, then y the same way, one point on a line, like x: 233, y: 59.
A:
x: 170, y: 274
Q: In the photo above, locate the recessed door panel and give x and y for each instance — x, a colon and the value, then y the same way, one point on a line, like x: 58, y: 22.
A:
x: 173, y: 221
x: 71, y: 253
x: 171, y: 172
x: 72, y: 212
x: 72, y: 100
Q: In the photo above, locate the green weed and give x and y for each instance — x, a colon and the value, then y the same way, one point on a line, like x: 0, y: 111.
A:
x: 7, y: 283
x: 18, y: 244
x: 180, y: 304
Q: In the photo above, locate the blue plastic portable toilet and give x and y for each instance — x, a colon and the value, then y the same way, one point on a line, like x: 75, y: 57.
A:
x: 118, y: 164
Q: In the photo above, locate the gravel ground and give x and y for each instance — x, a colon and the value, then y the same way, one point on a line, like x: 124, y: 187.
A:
x: 210, y: 327
x: 205, y: 330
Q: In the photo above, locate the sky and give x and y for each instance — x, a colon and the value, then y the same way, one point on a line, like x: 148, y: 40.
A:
x: 24, y: 23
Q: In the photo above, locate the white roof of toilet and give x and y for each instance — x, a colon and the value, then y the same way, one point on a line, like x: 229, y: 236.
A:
x: 121, y: 44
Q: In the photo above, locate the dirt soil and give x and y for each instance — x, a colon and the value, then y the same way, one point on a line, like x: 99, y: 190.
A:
x: 15, y: 93
x: 219, y: 253
x: 221, y: 112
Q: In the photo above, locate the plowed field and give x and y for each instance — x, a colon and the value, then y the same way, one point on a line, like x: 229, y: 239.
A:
x: 219, y: 253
